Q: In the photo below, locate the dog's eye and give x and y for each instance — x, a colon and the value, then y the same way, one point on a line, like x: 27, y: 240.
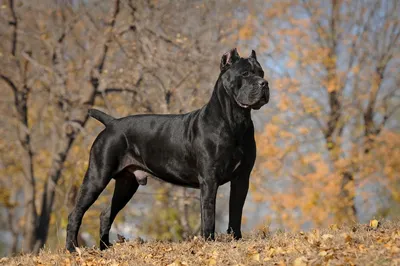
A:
x: 245, y: 74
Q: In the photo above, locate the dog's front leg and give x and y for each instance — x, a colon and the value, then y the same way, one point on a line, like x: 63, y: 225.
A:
x: 208, y: 194
x: 239, y: 189
x: 240, y: 184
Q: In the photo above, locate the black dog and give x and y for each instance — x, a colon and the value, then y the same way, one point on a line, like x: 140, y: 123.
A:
x: 202, y: 149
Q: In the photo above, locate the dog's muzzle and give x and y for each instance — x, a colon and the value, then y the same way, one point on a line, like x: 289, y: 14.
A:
x: 264, y: 96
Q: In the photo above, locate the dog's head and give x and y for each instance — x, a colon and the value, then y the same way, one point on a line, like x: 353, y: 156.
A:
x: 243, y: 79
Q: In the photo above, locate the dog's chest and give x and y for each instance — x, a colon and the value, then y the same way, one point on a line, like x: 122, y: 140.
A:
x: 231, y: 166
x: 234, y: 163
x: 237, y: 158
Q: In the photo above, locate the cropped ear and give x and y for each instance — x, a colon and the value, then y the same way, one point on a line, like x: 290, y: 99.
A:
x: 253, y: 54
x: 229, y: 58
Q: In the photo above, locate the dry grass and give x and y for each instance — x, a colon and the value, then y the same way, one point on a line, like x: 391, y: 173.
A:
x: 355, y: 245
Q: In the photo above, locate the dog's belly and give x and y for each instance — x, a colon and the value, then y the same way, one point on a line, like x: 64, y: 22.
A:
x: 174, y: 176
x: 191, y: 183
x: 141, y: 174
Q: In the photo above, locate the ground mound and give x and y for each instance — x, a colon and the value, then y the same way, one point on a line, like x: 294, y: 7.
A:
x: 373, y: 244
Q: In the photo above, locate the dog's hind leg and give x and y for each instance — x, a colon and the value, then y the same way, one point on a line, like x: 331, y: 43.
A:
x: 103, y: 163
x: 88, y: 194
x: 125, y: 187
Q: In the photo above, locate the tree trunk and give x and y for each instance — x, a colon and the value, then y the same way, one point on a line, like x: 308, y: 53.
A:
x: 334, y: 130
x: 345, y: 209
x: 81, y: 118
x: 348, y: 192
x: 49, y: 194
x: 21, y: 103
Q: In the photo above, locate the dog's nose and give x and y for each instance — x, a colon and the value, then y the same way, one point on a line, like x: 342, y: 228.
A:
x: 262, y: 83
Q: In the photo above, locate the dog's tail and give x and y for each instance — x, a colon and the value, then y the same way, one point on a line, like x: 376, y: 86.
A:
x: 100, y: 116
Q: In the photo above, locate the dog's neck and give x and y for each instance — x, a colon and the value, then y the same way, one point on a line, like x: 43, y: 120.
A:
x: 222, y: 106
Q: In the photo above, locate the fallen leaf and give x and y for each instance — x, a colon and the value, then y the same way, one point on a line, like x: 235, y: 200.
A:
x: 67, y: 262
x: 347, y: 237
x: 255, y: 256
x: 334, y: 227
x: 323, y: 253
x: 121, y: 239
x: 374, y: 224
x: 271, y: 252
x: 280, y: 250
x: 395, y: 249
x: 327, y: 237
x: 300, y: 261
x: 281, y: 263
x: 78, y: 250
x: 148, y: 256
x: 212, y: 261
x: 176, y: 263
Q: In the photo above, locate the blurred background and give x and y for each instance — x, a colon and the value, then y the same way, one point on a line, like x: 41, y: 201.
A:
x: 328, y: 143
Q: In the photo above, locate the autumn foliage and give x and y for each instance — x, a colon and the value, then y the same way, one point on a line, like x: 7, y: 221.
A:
x: 328, y: 149
x: 328, y: 143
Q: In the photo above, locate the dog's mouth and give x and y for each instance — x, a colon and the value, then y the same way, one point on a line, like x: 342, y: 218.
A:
x: 241, y: 104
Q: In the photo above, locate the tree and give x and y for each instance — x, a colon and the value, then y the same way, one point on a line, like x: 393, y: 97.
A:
x: 30, y: 68
x: 337, y: 95
x: 61, y: 58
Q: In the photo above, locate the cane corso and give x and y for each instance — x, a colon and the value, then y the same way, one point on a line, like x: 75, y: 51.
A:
x: 202, y: 149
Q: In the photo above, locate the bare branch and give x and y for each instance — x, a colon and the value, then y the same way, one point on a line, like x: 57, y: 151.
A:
x: 318, y: 26
x: 164, y: 38
x: 105, y: 47
x: 386, y: 117
x: 115, y: 90
x: 14, y: 23
x: 10, y: 83
x: 36, y: 63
